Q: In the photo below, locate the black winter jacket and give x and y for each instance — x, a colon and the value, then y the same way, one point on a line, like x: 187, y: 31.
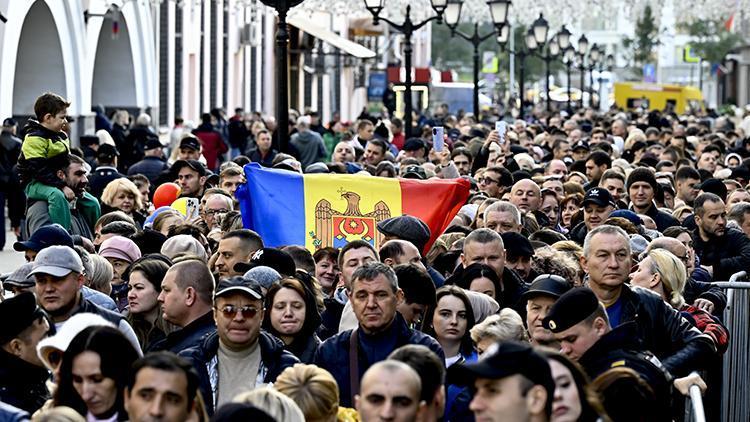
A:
x: 663, y: 331
x: 22, y: 384
x: 728, y: 254
x: 187, y: 337
x: 274, y: 359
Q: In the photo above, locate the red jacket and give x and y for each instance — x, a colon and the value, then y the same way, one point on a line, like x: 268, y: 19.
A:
x: 212, y: 145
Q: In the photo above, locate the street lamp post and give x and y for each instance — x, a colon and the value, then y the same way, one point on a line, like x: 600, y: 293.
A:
x: 583, y: 46
x: 568, y: 58
x: 282, y: 69
x: 594, y: 56
x: 407, y: 28
x: 499, y: 12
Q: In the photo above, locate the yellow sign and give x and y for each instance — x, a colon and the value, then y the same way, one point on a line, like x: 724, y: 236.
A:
x: 687, y: 55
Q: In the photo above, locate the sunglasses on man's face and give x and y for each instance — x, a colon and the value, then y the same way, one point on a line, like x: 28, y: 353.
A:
x: 230, y: 311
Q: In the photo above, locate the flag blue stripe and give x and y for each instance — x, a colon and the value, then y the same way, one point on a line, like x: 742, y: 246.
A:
x: 272, y: 203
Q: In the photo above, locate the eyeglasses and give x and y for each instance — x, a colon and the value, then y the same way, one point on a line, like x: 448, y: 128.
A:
x: 230, y: 311
x: 214, y: 212
x: 487, y: 180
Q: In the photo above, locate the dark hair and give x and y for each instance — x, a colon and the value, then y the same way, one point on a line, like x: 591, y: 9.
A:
x: 355, y: 244
x: 600, y: 158
x: 686, y: 172
x: 326, y: 253
x: 302, y: 257
x: 467, y: 344
x: 547, y: 236
x: 391, y: 250
x: 169, y: 362
x: 250, y: 240
x: 312, y: 316
x: 506, y: 177
x: 479, y: 270
x: 702, y: 199
x: 153, y: 266
x: 120, y: 228
x: 427, y: 364
x: 380, y: 143
x: 49, y: 103
x: 591, y: 406
x: 112, y: 217
x: 417, y: 285
x: 462, y: 151
x: 621, y: 387
x: 116, y: 356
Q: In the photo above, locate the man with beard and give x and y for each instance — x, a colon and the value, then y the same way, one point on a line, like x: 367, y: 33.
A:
x: 722, y: 251
x: 84, y: 209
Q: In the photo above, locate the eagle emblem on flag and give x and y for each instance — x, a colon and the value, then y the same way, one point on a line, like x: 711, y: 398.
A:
x: 336, y: 229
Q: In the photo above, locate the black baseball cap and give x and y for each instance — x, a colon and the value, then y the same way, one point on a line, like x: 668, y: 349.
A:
x: 547, y: 285
x: 107, y: 150
x: 152, y: 143
x: 570, y: 309
x: 43, y: 237
x: 414, y: 171
x: 193, y: 164
x: 581, y: 145
x: 9, y: 122
x: 239, y: 284
x: 504, y: 359
x: 517, y: 244
x: 414, y: 144
x: 190, y: 142
x: 269, y: 257
x: 17, y: 314
x: 599, y: 196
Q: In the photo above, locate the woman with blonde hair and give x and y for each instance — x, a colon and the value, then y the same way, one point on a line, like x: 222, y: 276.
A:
x: 663, y: 273
x: 101, y: 274
x: 122, y: 194
x: 313, y: 389
x: 277, y: 405
x: 504, y: 326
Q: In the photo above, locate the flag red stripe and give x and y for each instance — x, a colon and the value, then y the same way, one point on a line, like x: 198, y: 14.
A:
x: 435, y: 202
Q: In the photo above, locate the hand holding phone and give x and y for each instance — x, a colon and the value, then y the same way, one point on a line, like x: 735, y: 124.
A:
x: 500, y: 128
x: 437, y: 139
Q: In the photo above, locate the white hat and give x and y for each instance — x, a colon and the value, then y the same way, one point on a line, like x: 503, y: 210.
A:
x: 60, y: 341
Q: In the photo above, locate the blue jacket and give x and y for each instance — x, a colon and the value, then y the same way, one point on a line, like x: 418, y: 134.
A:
x: 333, y: 354
x: 273, y: 360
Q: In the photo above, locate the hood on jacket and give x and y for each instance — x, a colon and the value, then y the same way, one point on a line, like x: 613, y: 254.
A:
x: 306, y: 136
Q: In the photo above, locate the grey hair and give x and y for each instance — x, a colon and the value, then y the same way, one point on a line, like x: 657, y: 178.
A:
x: 483, y: 236
x: 605, y: 229
x: 101, y: 274
x: 738, y: 211
x: 505, y: 206
x: 373, y: 270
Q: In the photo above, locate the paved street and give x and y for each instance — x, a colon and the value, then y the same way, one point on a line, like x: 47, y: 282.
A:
x: 9, y: 259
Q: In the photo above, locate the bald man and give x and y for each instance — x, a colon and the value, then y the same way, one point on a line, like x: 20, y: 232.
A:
x: 390, y: 391
x: 526, y: 195
x: 700, y: 294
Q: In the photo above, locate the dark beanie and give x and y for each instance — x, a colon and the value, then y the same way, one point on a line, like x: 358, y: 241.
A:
x: 643, y: 174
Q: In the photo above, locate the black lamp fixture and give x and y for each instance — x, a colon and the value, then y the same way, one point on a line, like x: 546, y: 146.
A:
x: 569, y: 55
x: 408, y: 27
x: 541, y: 29
x: 282, y: 69
x: 499, y: 14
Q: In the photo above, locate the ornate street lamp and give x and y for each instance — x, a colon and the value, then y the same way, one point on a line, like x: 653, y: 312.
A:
x: 568, y: 58
x: 499, y: 13
x: 583, y: 46
x: 282, y: 69
x: 408, y: 27
x: 594, y: 56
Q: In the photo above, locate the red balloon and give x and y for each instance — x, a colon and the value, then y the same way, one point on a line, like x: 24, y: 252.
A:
x: 165, y: 194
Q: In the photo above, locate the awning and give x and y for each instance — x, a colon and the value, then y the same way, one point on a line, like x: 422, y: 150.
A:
x: 343, y: 44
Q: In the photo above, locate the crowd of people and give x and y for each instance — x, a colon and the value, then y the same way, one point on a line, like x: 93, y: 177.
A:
x: 576, y: 281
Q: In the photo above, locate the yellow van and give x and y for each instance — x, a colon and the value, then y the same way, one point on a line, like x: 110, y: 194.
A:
x: 681, y: 99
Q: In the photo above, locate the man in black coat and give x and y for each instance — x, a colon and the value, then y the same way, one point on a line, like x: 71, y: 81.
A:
x: 22, y: 373
x: 153, y: 163
x: 722, y: 251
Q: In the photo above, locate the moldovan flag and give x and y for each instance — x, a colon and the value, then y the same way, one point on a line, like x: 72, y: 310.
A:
x: 320, y: 210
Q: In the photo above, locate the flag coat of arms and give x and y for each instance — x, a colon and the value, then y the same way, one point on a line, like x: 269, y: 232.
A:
x: 322, y: 210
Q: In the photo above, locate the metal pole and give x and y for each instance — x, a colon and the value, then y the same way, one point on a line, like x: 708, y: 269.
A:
x: 700, y: 75
x: 547, y: 59
x: 282, y: 80
x: 582, y: 68
x: 407, y: 83
x: 591, y: 86
x: 521, y: 70
x: 476, y: 74
x: 568, y: 72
